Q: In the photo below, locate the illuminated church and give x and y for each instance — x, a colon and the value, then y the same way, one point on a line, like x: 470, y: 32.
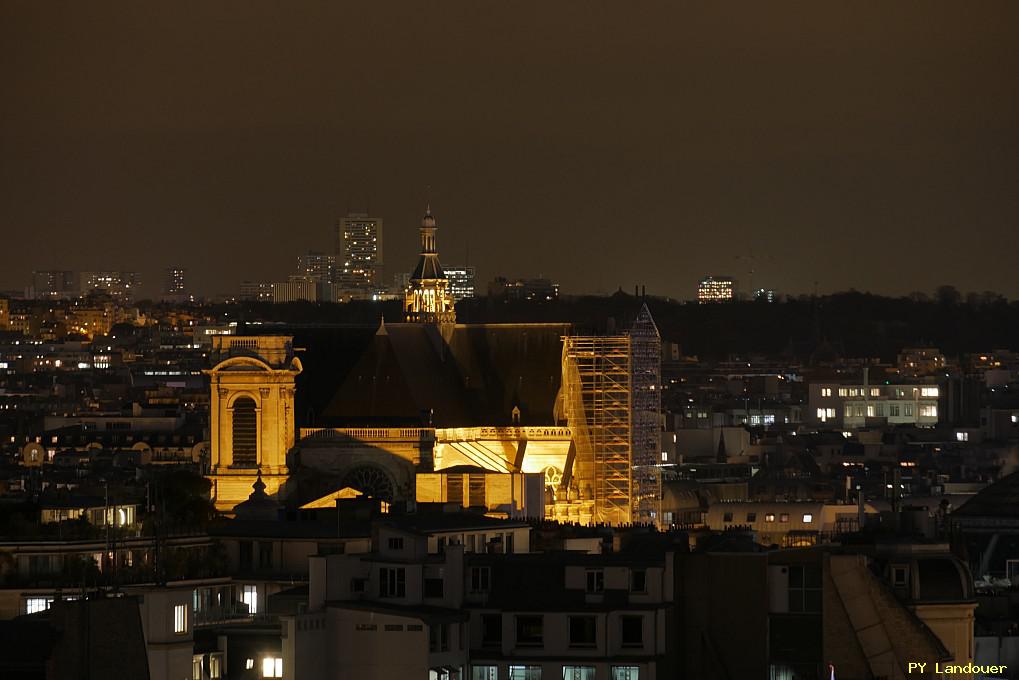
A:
x: 522, y: 419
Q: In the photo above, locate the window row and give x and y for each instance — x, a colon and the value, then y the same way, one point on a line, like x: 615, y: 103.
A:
x: 569, y: 673
x: 808, y: 518
x: 582, y: 629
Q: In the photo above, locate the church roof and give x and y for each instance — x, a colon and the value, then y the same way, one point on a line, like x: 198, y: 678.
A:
x: 428, y: 267
x: 412, y: 376
x: 1000, y: 499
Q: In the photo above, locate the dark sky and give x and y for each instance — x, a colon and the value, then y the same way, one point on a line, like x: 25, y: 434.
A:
x: 868, y: 145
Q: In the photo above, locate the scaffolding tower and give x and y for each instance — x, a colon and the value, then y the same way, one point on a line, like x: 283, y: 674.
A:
x: 645, y: 418
x: 596, y: 378
x: 612, y: 402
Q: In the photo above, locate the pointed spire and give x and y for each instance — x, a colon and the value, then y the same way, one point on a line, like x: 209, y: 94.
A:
x: 258, y: 488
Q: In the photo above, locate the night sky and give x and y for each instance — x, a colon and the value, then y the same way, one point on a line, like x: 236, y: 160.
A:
x: 865, y: 145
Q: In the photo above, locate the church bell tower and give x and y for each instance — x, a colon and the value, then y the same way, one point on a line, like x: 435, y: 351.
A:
x: 251, y: 414
x: 427, y: 299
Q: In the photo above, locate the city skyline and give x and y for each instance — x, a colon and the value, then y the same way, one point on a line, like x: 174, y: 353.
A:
x: 676, y: 141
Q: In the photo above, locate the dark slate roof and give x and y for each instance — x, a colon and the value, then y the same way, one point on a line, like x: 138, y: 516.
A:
x: 429, y: 522
x: 1000, y: 499
x: 408, y: 375
x: 304, y: 529
x: 428, y: 267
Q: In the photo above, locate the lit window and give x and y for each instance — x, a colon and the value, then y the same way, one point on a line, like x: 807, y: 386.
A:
x: 808, y: 518
x: 770, y: 517
x: 962, y: 436
x: 928, y: 391
x: 625, y: 673
x: 784, y: 517
x: 249, y: 664
x: 525, y: 673
x: 272, y: 667
x: 34, y: 605
x: 249, y: 596
x: 825, y: 391
x: 180, y: 619
x: 578, y: 672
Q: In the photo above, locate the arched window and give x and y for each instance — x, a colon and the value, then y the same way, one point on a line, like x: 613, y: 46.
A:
x: 245, y: 433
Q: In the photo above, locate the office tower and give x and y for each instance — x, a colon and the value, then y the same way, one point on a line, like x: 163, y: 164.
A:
x: 53, y: 284
x: 121, y: 286
x: 316, y: 266
x: 716, y: 289
x: 173, y: 283
x: 461, y: 282
x: 359, y: 253
x: 256, y: 291
x: 540, y: 289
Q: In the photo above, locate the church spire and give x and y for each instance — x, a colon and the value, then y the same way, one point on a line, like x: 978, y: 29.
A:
x: 428, y: 298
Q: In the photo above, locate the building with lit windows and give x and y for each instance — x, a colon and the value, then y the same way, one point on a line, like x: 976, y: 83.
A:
x: 120, y: 285
x: 461, y: 281
x: 915, y: 362
x: 765, y: 294
x: 256, y: 291
x: 359, y: 255
x: 716, y: 289
x: 850, y: 406
x: 316, y: 266
x: 175, y: 284
x: 53, y: 284
x: 537, y: 290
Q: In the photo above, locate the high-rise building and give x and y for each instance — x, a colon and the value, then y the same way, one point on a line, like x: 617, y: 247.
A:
x: 296, y: 289
x: 256, y: 291
x: 716, y: 289
x: 428, y: 299
x: 121, y: 286
x: 174, y: 285
x: 317, y: 266
x: 359, y: 252
x: 539, y: 289
x: 461, y: 282
x: 53, y: 284
x: 765, y: 294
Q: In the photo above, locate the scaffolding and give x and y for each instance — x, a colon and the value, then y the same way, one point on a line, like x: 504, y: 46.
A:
x: 596, y: 375
x: 645, y: 418
x: 612, y: 402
